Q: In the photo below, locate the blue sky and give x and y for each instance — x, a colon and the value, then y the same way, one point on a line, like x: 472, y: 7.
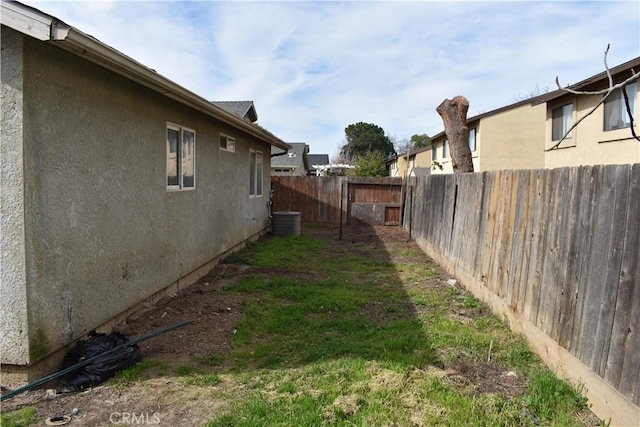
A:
x: 313, y: 68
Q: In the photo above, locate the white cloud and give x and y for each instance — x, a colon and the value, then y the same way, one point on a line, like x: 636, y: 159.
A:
x: 315, y: 67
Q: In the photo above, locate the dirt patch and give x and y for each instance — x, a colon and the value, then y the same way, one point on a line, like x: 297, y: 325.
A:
x: 380, y: 312
x: 484, y: 377
x: 213, y: 315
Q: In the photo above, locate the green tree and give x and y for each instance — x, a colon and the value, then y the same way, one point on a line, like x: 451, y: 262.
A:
x: 420, y: 141
x: 417, y: 141
x: 366, y: 138
x: 371, y: 164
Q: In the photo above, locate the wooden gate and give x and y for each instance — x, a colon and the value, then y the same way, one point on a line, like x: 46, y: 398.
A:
x: 374, y: 202
x: 354, y: 201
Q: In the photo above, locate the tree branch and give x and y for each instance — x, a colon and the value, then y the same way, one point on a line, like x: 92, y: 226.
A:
x: 635, y: 76
x: 577, y: 123
x: 611, y: 87
x: 628, y: 107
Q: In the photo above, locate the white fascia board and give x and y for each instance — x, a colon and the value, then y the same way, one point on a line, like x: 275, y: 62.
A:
x: 26, y: 21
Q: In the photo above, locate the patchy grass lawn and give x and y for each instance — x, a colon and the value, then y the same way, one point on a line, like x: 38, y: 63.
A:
x: 365, y: 331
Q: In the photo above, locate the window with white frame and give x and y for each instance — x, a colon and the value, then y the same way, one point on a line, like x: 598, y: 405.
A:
x: 445, y: 149
x: 561, y: 121
x: 472, y: 140
x: 227, y: 143
x: 181, y: 157
x: 255, y: 173
x: 434, y: 152
x: 615, y: 109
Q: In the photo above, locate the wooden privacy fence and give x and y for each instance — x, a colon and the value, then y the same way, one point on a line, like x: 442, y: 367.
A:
x: 558, y: 252
x: 351, y: 200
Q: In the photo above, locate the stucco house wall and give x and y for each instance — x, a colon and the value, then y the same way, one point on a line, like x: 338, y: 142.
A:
x: 93, y: 228
x: 512, y: 139
x: 14, y: 346
x: 419, y: 158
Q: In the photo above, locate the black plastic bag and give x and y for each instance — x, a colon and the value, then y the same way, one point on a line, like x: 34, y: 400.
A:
x: 102, y: 368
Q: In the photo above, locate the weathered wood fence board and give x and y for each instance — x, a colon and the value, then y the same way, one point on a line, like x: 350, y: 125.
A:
x: 624, y: 358
x: 318, y: 199
x: 561, y: 247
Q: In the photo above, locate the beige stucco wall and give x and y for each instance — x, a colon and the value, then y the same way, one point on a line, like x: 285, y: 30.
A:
x: 398, y: 167
x: 590, y: 144
x: 418, y: 159
x: 101, y: 231
x: 512, y: 139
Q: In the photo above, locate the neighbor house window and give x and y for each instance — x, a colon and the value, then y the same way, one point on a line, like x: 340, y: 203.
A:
x: 255, y: 173
x: 445, y: 149
x: 434, y: 152
x: 472, y: 140
x: 181, y: 157
x: 227, y: 143
x: 615, y: 110
x: 561, y: 121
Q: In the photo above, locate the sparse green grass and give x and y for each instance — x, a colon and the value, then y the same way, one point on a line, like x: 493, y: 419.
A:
x: 550, y: 398
x: 19, y: 418
x: 365, y: 342
x: 186, y: 370
x: 471, y: 302
x: 210, y: 360
x: 140, y: 370
x: 204, y: 380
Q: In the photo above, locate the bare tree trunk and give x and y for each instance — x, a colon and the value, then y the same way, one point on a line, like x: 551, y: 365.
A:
x: 454, y: 117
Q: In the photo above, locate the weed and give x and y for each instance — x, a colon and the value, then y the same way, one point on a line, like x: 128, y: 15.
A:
x: 210, y: 360
x: 549, y: 396
x: 186, y: 370
x: 471, y: 302
x: 135, y: 372
x: 202, y: 379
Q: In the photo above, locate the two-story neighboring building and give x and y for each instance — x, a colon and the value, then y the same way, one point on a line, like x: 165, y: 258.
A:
x: 511, y: 137
x: 293, y: 162
x: 416, y: 162
x: 520, y: 135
